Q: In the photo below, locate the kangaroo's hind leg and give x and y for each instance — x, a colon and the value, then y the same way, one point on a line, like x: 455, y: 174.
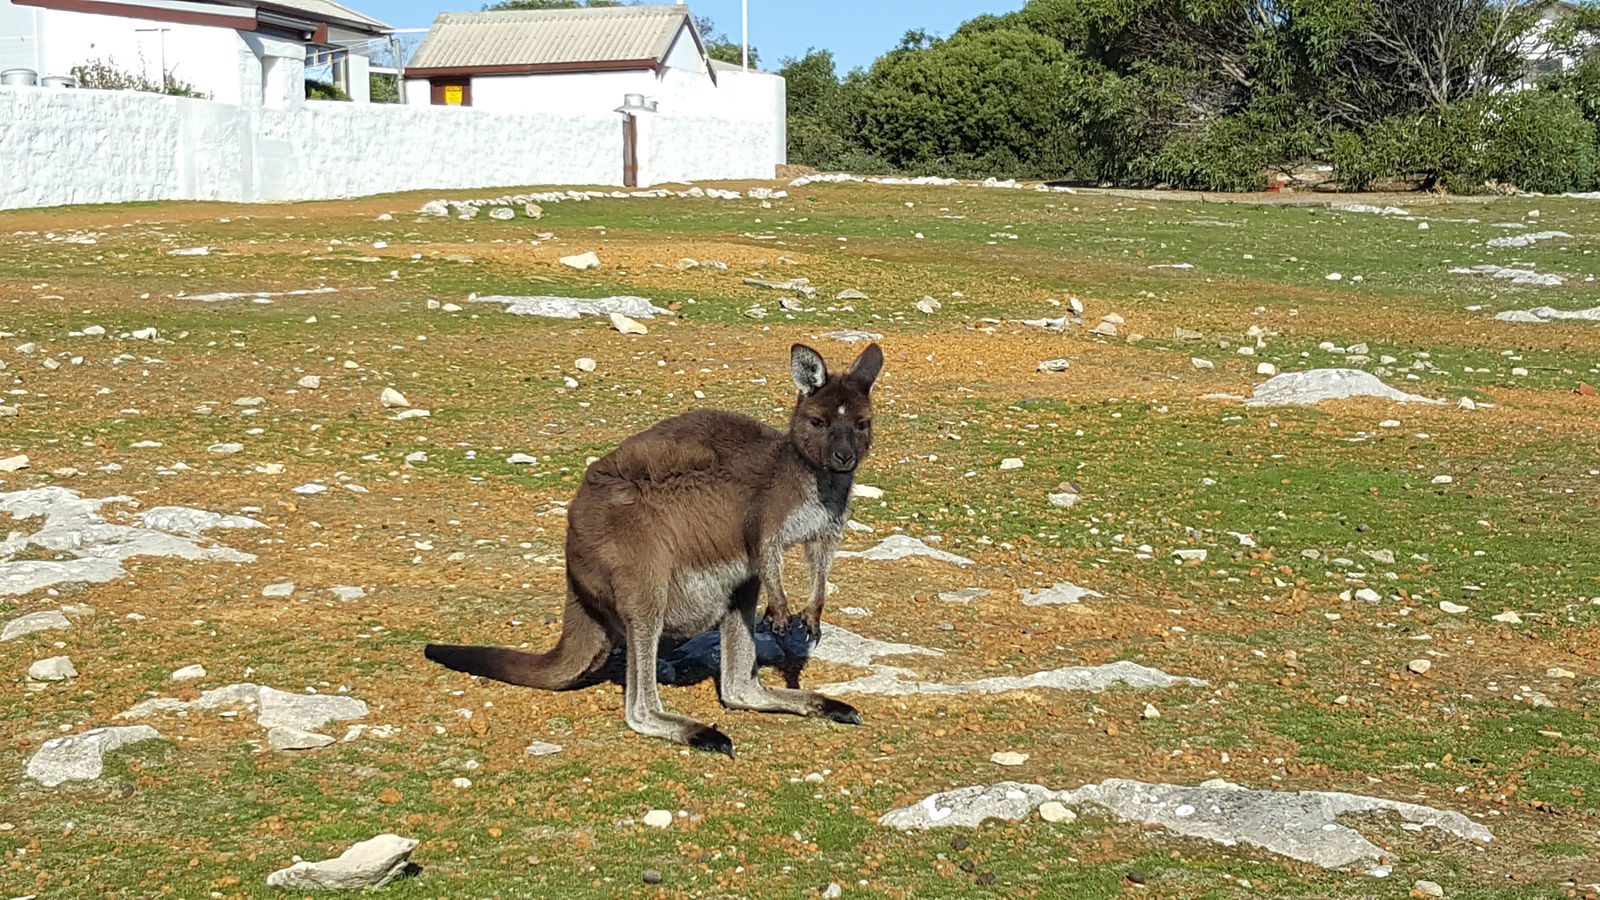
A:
x: 741, y: 687
x: 642, y: 707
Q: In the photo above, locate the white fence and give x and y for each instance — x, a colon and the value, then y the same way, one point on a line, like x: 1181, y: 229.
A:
x: 81, y: 146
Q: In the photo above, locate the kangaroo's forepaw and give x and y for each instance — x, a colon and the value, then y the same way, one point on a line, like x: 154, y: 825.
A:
x: 795, y: 637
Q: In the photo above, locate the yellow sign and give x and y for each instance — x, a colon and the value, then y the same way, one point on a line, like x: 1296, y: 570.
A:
x: 452, y: 94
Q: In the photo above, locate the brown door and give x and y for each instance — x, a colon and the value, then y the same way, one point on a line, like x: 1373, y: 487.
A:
x: 451, y: 91
x: 630, y: 151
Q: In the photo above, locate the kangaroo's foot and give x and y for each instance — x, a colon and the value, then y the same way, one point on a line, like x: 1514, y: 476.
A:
x: 759, y: 698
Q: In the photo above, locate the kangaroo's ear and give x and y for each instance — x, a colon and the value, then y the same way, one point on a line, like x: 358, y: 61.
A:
x: 866, y: 367
x: 807, y: 368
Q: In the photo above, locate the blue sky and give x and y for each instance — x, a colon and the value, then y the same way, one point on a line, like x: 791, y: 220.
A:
x: 857, y: 31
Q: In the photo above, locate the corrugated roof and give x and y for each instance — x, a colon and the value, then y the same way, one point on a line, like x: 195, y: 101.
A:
x: 547, y: 37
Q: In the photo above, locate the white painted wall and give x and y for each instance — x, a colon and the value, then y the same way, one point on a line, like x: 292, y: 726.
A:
x: 61, y: 147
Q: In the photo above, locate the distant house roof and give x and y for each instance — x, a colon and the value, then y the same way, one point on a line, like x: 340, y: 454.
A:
x: 551, y: 40
x: 307, y: 19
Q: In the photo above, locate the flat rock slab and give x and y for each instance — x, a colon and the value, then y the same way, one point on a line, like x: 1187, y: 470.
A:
x: 1316, y: 385
x: 307, y: 712
x: 1512, y: 274
x: 1093, y: 679
x: 1058, y: 594
x: 81, y: 757
x: 1542, y: 314
x: 28, y: 624
x: 1525, y: 240
x: 221, y: 296
x: 286, y: 738
x: 901, y: 546
x: 851, y: 337
x: 274, y: 708
x: 73, y: 525
x: 575, y: 307
x: 372, y: 863
x: 837, y: 645
x: 1300, y: 825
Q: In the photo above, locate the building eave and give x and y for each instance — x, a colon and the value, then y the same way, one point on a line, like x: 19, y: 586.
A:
x: 608, y: 65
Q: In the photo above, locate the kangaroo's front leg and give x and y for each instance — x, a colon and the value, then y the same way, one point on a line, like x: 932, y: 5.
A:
x: 740, y: 684
x: 771, y: 570
x: 819, y: 560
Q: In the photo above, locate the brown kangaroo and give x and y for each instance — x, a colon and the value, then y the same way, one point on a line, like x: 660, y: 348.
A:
x: 681, y: 527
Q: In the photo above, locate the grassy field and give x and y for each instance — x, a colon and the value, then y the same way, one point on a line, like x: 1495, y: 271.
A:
x: 1309, y: 687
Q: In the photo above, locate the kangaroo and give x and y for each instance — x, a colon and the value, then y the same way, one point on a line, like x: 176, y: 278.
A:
x: 681, y: 527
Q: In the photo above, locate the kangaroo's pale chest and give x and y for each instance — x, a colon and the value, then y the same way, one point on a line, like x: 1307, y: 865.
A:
x: 808, y: 521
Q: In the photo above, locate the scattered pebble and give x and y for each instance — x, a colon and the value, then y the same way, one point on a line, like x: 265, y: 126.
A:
x: 1008, y: 758
x: 1420, y: 666
x: 658, y: 818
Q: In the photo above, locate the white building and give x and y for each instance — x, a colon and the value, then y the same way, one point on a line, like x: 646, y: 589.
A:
x: 248, y: 54
x: 587, y: 61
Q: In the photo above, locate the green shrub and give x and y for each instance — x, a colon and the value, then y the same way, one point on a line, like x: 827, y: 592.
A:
x: 1534, y: 140
x: 324, y: 90
x: 100, y: 74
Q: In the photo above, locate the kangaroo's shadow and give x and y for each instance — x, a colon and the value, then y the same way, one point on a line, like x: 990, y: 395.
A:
x: 691, y: 661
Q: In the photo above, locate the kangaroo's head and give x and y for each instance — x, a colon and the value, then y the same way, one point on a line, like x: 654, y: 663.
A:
x: 832, y: 422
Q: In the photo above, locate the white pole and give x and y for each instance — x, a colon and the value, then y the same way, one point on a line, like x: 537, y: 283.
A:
x: 744, y: 32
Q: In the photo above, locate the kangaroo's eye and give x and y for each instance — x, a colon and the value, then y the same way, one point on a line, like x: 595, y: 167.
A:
x: 817, y: 423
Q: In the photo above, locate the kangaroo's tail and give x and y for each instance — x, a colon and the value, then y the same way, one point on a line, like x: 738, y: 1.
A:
x: 584, y: 645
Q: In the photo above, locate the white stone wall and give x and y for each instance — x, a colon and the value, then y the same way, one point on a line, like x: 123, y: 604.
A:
x: 79, y: 146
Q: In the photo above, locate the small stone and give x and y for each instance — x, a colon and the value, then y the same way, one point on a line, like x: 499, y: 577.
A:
x: 1509, y: 617
x: 14, y: 463
x: 533, y: 210
x: 1454, y: 609
x: 928, y: 305
x: 833, y: 891
x: 1199, y: 363
x: 1104, y: 329
x: 310, y: 382
x: 1055, y: 365
x: 393, y: 399
x: 1443, y: 479
x: 284, y: 737
x: 1065, y: 500
x: 866, y: 492
x: 189, y: 673
x: 310, y: 488
x: 584, y: 364
x: 1010, y: 462
x: 370, y: 864
x: 1334, y: 276
x: 658, y: 818
x: 7, y: 411
x: 94, y: 330
x: 1190, y: 555
x: 1056, y: 812
x: 281, y: 589
x: 462, y: 783
x: 541, y: 748
x: 1420, y: 666
x: 56, y: 668
x: 850, y: 294
x: 249, y: 401
x: 1150, y: 711
x: 1467, y: 403
x: 502, y: 213
x: 521, y: 459
x: 1427, y: 888
x: 224, y: 449
x: 28, y: 624
x: 627, y: 325
x: 651, y: 876
x: 1008, y: 758
x: 1368, y: 595
x: 1266, y: 368
x: 581, y: 261
x: 1136, y: 877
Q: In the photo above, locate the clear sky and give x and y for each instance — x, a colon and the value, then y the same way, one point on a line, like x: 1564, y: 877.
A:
x: 857, y: 31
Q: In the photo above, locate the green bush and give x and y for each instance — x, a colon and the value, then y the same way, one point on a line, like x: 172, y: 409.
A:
x: 324, y: 90
x: 1535, y: 141
x: 100, y: 74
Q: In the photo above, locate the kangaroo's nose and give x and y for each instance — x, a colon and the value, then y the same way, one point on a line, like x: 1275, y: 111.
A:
x: 843, y: 459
